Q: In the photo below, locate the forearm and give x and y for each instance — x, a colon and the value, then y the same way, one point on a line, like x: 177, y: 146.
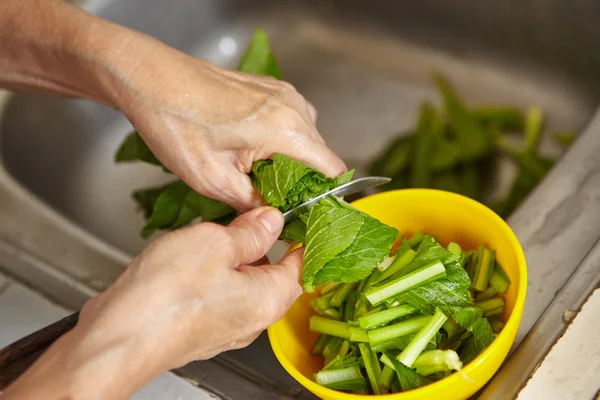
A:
x: 87, y: 366
x: 50, y: 46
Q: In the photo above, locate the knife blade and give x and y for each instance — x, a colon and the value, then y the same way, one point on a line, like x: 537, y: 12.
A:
x: 346, y: 189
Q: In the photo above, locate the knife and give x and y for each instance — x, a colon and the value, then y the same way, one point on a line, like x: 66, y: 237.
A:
x: 355, y: 186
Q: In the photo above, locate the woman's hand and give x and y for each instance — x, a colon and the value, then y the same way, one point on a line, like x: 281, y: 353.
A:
x: 208, y: 125
x: 204, y: 123
x: 189, y: 296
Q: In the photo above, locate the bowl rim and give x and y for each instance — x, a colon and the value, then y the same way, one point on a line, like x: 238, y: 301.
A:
x: 510, y: 327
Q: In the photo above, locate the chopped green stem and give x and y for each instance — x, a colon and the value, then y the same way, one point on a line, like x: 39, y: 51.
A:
x: 451, y: 326
x: 533, y: 127
x: 493, y: 306
x: 416, y: 240
x: 360, y: 310
x: 508, y: 118
x: 370, y: 321
x: 401, y: 261
x: 349, y: 307
x: 499, y: 280
x: 483, y: 269
x: 391, y: 332
x: 322, y: 303
x: 330, y: 351
x: 329, y: 327
x: 455, y: 248
x: 394, y: 302
x: 434, y: 361
x: 342, y: 293
x: 370, y: 280
x: 386, y: 377
x: 394, y: 344
x: 428, y: 273
x: 320, y: 344
x: 333, y: 313
x: 386, y: 361
x: 497, y: 325
x: 372, y: 367
x: 338, y: 378
x: 329, y: 287
x: 344, y: 348
x: 487, y: 294
x: 358, y: 335
x: 382, y: 266
x: 375, y: 310
x: 419, y: 342
x: 564, y: 139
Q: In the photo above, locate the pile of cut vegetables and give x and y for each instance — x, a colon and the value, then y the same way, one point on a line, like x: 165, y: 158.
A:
x: 423, y: 313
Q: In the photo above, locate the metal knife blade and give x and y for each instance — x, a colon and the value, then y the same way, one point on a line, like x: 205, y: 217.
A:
x: 346, y: 189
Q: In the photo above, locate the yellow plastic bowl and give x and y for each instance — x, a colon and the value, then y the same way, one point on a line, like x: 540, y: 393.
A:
x: 448, y: 217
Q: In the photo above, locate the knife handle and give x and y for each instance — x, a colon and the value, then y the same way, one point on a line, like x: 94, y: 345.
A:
x: 17, y: 357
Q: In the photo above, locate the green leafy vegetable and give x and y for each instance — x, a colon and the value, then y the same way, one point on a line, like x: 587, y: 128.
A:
x: 409, y: 378
x: 258, y: 58
x: 416, y: 327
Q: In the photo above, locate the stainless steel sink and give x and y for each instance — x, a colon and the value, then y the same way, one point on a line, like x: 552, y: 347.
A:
x: 366, y: 66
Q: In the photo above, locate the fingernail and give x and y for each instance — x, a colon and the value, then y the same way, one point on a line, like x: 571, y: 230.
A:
x: 272, y: 219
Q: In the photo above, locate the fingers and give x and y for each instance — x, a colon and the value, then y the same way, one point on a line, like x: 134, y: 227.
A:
x: 235, y: 188
x: 282, y: 281
x: 253, y: 234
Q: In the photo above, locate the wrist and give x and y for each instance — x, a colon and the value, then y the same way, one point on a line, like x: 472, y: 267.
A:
x: 87, y: 364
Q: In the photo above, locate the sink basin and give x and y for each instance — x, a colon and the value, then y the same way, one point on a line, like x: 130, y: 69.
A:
x: 365, y: 68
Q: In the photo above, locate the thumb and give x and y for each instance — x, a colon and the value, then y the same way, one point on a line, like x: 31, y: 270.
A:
x: 283, y: 284
x: 253, y: 234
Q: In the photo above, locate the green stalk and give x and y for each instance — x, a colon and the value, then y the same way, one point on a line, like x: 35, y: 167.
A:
x: 418, y: 344
x: 387, y: 361
x: 329, y: 327
x: 348, y: 378
x: 380, y: 318
x: 329, y: 287
x: 497, y: 324
x: 330, y: 352
x: 455, y: 248
x: 416, y: 240
x: 430, y: 272
x: 499, y: 280
x: 320, y: 344
x: 493, y: 306
x: 358, y: 335
x: 322, y: 303
x: 401, y: 261
x: 382, y: 266
x: 434, y: 361
x: 487, y: 294
x: 403, y: 328
x: 372, y: 367
x: 451, y: 326
x: 564, y: 139
x: 386, y: 377
x: 533, y: 128
x: 332, y: 313
x: 342, y: 293
x: 375, y: 310
x: 349, y: 307
x: 391, y: 303
x: 370, y: 280
x: 344, y: 348
x: 508, y: 118
x: 483, y: 268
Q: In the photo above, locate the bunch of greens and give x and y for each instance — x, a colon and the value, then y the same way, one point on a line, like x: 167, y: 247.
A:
x: 456, y: 148
x: 422, y: 314
x: 342, y: 244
